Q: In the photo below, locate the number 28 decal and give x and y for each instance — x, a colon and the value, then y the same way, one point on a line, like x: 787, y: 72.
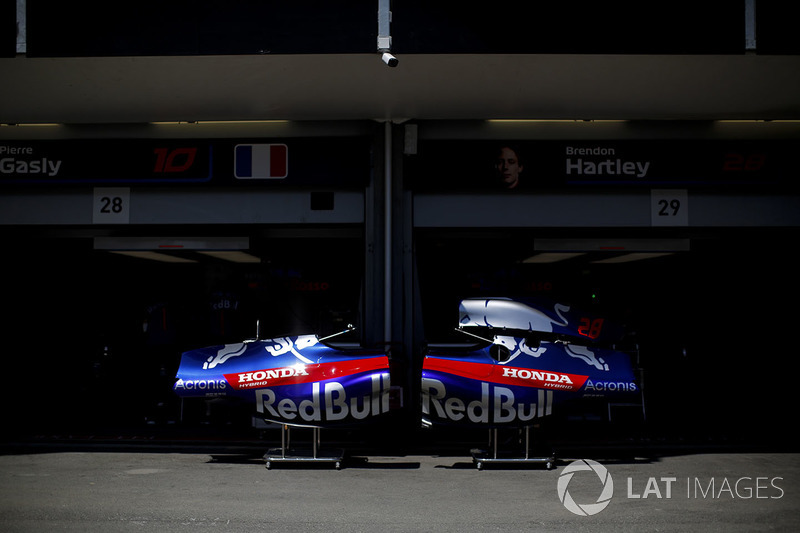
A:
x: 590, y: 327
x: 743, y: 162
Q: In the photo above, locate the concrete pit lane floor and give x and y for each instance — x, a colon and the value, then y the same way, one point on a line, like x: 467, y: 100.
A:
x: 111, y: 491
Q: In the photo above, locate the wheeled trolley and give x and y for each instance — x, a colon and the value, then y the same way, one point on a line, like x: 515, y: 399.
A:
x: 495, y: 456
x: 316, y: 454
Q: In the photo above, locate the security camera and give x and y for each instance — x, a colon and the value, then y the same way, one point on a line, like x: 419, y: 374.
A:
x: 389, y: 59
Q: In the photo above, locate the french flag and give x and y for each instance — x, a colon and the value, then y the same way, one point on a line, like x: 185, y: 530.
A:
x: 261, y: 161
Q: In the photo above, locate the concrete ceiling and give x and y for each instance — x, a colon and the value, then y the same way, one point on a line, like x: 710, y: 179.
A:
x: 360, y: 86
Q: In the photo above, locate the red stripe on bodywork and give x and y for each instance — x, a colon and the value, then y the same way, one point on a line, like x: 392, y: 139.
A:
x: 302, y: 373
x: 507, y: 375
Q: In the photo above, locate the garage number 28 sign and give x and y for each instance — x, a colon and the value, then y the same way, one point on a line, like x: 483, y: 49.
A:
x: 111, y: 205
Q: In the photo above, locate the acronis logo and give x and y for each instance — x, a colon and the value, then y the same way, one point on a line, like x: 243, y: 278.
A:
x: 610, y: 386
x: 211, y: 386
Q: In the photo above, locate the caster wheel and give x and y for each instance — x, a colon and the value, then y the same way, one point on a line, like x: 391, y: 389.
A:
x: 338, y: 465
x: 269, y: 465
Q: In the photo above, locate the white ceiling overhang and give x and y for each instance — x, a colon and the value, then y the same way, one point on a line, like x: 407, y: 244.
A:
x: 360, y: 86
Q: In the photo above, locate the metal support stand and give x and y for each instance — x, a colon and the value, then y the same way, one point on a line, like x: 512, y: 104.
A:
x: 494, y: 456
x: 303, y: 455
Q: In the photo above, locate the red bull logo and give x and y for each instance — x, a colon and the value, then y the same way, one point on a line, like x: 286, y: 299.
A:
x: 329, y: 402
x: 496, y: 405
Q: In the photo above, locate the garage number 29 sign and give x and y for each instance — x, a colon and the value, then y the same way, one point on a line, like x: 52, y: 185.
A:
x: 669, y: 207
x: 111, y: 205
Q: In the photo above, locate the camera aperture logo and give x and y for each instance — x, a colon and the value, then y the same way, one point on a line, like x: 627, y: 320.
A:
x: 591, y: 478
x: 585, y: 509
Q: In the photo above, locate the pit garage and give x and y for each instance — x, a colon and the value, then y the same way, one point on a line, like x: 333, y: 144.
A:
x: 102, y: 301
x: 141, y: 246
x: 685, y: 238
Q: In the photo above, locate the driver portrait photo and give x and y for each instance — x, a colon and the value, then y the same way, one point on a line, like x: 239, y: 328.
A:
x: 508, y: 167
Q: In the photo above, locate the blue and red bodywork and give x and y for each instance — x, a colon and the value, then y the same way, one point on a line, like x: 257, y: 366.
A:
x: 297, y: 381
x: 539, y: 357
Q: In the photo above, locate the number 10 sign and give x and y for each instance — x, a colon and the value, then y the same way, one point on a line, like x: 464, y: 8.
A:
x: 669, y: 207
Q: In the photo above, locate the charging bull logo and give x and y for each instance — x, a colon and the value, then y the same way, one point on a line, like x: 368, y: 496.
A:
x: 285, y: 345
x: 587, y: 356
x: 225, y: 353
x: 277, y: 347
x: 498, y: 312
x: 517, y: 347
